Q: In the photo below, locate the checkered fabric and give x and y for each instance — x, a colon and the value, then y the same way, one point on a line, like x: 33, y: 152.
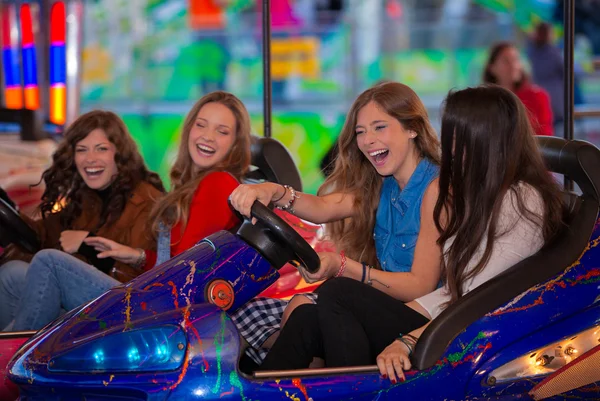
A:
x: 258, y: 320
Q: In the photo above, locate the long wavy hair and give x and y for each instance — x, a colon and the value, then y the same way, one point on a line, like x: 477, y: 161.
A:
x: 494, y: 150
x: 185, y: 175
x: 66, y: 187
x: 355, y: 175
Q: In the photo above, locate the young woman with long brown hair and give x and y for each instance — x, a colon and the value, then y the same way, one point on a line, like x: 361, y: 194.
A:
x: 213, y: 155
x: 378, y: 203
x: 97, y: 184
x: 497, y: 205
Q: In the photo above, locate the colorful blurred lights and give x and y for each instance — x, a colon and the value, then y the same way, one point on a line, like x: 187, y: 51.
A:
x: 29, y: 60
x: 58, y: 74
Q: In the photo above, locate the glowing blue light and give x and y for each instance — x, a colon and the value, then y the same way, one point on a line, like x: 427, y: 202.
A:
x: 162, y: 351
x: 99, y: 357
x: 154, y: 349
x: 133, y: 355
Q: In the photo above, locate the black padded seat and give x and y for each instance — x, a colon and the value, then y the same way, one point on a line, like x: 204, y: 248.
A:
x: 29, y: 121
x: 272, y: 162
x: 579, y: 161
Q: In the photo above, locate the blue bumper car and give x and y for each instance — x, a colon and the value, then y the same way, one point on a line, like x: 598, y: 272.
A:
x: 531, y: 333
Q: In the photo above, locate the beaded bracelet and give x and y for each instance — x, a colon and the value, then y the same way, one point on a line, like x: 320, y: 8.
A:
x: 342, y: 265
x: 290, y: 205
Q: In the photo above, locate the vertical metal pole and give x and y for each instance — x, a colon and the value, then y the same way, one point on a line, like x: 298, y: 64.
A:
x: 266, y: 42
x: 569, y: 35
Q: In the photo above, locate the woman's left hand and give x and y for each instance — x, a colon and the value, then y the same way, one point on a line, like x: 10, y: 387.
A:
x: 393, y: 361
x: 330, y: 264
x: 112, y: 249
x: 70, y: 240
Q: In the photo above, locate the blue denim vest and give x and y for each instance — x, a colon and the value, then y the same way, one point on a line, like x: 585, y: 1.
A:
x: 398, y: 219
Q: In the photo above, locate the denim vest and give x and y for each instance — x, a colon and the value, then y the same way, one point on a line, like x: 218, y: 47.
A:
x: 398, y: 219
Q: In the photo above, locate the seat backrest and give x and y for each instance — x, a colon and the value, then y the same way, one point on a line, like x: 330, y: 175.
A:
x: 273, y: 162
x: 29, y: 121
x: 578, y: 160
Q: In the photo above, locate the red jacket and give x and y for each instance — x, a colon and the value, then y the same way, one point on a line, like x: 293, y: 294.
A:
x: 537, y: 102
x: 209, y: 213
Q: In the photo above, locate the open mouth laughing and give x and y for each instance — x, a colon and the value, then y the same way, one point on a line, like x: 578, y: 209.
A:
x: 205, y: 150
x: 93, y: 172
x: 379, y: 156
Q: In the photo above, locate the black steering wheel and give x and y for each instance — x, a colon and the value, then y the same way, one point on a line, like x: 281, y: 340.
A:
x: 13, y: 229
x: 277, y: 241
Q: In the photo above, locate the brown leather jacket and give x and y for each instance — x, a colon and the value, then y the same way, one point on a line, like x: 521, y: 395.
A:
x: 131, y: 229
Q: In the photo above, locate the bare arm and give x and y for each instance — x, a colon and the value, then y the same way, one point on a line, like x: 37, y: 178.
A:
x: 425, y: 272
x: 317, y: 209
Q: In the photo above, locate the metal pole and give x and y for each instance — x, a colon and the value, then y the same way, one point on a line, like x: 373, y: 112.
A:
x: 266, y: 41
x: 569, y: 35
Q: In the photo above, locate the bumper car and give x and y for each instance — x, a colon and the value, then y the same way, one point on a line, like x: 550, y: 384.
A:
x: 529, y: 333
x: 270, y: 162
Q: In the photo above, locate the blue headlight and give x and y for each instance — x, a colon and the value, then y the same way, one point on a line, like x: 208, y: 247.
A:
x: 153, y: 349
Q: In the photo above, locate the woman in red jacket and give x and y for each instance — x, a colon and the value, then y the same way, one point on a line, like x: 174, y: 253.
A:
x: 504, y: 68
x: 213, y: 156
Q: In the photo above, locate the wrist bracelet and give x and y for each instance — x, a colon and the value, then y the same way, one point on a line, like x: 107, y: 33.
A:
x: 342, y: 265
x: 281, y: 197
x: 293, y: 196
x: 364, y: 266
x: 408, y: 345
x: 370, y: 280
x: 141, y: 261
x: 409, y: 340
x: 413, y: 338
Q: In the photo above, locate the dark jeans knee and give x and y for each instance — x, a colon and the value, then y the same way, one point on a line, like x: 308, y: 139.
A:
x: 303, y: 316
x: 337, y: 289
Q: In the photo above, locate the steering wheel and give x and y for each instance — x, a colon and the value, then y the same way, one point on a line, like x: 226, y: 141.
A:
x: 288, y: 240
x: 13, y: 229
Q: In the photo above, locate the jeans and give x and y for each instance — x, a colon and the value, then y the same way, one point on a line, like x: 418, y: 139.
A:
x: 350, y: 325
x: 12, y: 284
x: 57, y: 280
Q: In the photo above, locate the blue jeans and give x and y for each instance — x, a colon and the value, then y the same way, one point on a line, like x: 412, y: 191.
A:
x: 12, y: 284
x: 57, y: 280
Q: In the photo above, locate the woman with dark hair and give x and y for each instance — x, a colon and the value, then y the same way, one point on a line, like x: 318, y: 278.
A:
x: 213, y: 155
x: 497, y: 205
x: 98, y: 184
x: 504, y: 68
